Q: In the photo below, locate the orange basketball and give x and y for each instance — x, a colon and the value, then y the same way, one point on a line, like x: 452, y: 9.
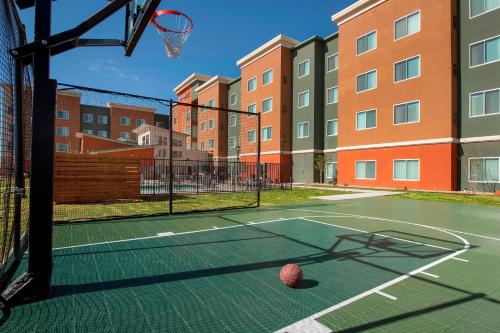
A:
x: 291, y: 275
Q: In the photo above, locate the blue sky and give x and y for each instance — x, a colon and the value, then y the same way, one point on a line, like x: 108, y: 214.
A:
x: 224, y: 31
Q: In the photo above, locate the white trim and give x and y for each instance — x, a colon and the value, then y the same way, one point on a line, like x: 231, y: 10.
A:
x: 266, y: 99
x: 485, y: 12
x: 367, y: 128
x: 308, y: 99
x: 298, y: 68
x: 482, y: 41
x: 376, y: 81
x: 401, y: 144
x: 328, y: 92
x: 405, y: 103
x: 405, y: 160
x: 376, y: 42
x: 491, y: 138
x: 482, y: 181
x: 235, y: 141
x: 298, y: 130
x: 251, y: 114
x: 484, y: 100
x: 355, y: 169
x: 406, y: 17
x: 354, y: 10
x: 233, y: 94
x: 276, y: 42
x: 235, y: 120
x: 267, y: 127
x: 406, y: 61
x: 330, y: 56
x: 212, y: 82
x: 250, y: 79
x: 332, y: 150
x: 248, y: 132
x: 307, y: 151
x: 326, y: 168
x: 326, y: 129
x: 190, y: 80
x: 272, y: 78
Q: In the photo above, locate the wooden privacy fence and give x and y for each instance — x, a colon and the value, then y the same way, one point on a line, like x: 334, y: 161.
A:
x: 81, y: 178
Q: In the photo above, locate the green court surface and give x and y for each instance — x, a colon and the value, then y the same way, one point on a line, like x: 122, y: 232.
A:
x: 380, y: 264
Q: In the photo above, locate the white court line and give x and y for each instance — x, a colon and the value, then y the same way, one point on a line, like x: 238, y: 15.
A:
x: 460, y: 259
x: 429, y: 274
x: 398, y: 221
x: 381, y: 293
x: 163, y: 234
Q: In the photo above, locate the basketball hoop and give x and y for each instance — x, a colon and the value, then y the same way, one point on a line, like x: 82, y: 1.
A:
x: 174, y: 37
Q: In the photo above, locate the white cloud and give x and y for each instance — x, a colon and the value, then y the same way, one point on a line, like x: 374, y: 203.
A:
x: 108, y: 65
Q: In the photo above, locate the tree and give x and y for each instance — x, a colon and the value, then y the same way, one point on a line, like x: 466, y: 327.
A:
x: 320, y: 165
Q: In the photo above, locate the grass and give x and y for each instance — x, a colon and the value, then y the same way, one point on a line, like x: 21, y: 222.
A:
x: 476, y: 199
x: 185, y: 203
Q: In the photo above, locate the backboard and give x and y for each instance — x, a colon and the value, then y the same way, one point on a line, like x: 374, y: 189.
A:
x: 138, y: 16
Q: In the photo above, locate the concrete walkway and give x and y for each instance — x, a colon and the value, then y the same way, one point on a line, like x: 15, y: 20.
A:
x: 353, y: 193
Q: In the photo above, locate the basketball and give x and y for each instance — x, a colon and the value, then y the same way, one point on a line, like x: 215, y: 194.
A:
x: 291, y: 275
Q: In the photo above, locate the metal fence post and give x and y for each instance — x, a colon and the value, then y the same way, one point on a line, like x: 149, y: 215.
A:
x: 197, y: 177
x: 170, y: 161
x: 258, y: 160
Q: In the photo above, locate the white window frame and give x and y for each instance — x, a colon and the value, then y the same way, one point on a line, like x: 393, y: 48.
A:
x: 126, y: 136
x: 211, y: 142
x: 272, y: 77
x: 485, y: 12
x: 376, y: 42
x: 231, y: 117
x: 356, y: 176
x: 308, y: 71
x: 326, y: 169
x: 91, y: 118
x: 267, y: 127
x: 64, y: 129
x: 102, y: 116
x: 140, y: 120
x: 482, y: 41
x: 298, y: 130
x: 405, y: 160
x: 253, y: 78
x: 62, y: 112
x: 405, y: 103
x: 267, y: 99
x: 248, y: 132
x: 203, y: 107
x: 121, y: 121
x: 102, y: 132
x: 484, y: 110
x: 328, y: 57
x: 202, y: 145
x: 326, y: 129
x: 328, y: 95
x: 308, y: 100
x: 203, y: 126
x: 406, y: 60
x: 235, y: 98
x: 212, y: 120
x: 406, y: 17
x: 88, y: 132
x: 231, y: 138
x: 251, y: 114
x: 367, y: 128
x: 376, y: 81
x: 482, y: 181
x: 210, y: 102
x: 65, y: 150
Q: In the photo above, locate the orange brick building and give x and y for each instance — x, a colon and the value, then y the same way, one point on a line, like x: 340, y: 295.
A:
x: 125, y: 118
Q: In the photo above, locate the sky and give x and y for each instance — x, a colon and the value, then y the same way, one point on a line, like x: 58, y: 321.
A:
x: 224, y: 31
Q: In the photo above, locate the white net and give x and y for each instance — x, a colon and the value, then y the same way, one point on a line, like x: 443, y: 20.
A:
x: 174, y: 28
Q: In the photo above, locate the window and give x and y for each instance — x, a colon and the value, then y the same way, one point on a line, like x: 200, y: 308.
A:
x: 366, y: 81
x: 194, y: 146
x: 252, y: 136
x: 211, y: 144
x: 366, y: 119
x: 103, y: 120
x: 87, y: 131
x: 252, y: 108
x: 406, y: 113
x: 407, y: 25
x: 304, y: 68
x: 366, y: 43
x: 202, y: 126
x: 484, y: 169
x: 234, y: 99
x: 267, y: 77
x: 407, y: 69
x: 203, y: 107
x: 484, y: 103
x: 366, y: 169
x: 211, y: 103
x: 139, y: 122
x: 478, y: 7
x: 304, y: 99
x: 188, y: 115
x: 102, y: 134
x: 252, y: 84
x: 267, y: 105
x: 125, y: 121
x: 232, y: 142
x: 303, y: 130
x: 175, y: 121
x: 124, y: 135
x: 331, y: 170
x: 332, y: 127
x: 332, y: 63
x: 62, y: 131
x: 145, y: 140
x: 332, y: 95
x: 62, y: 115
x: 485, y: 52
x: 88, y: 118
x: 211, y: 123
x: 202, y: 145
x: 267, y: 133
x: 232, y: 120
x: 62, y: 147
x: 406, y: 170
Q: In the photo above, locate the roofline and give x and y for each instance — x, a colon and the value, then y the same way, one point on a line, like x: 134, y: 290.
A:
x: 329, y: 37
x: 80, y: 135
x: 278, y: 41
x: 190, y: 80
x: 356, y: 9
x: 216, y: 79
x: 128, y: 106
x: 235, y: 80
x: 309, y: 40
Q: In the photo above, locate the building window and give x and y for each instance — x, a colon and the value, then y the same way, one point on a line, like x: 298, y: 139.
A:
x: 406, y: 170
x: 234, y: 99
x: 484, y: 169
x: 232, y: 142
x: 267, y: 133
x: 125, y: 135
x: 139, y: 122
x: 479, y: 7
x: 407, y: 25
x: 303, y: 130
x: 211, y: 144
x: 188, y: 115
x: 267, y: 77
x: 331, y: 170
x: 332, y: 95
x: 202, y: 145
x: 366, y: 169
x: 88, y: 118
x: 366, y: 81
x: 102, y: 134
x: 332, y: 127
x: 252, y: 136
x: 125, y: 121
x: 88, y: 131
x: 62, y: 131
x: 203, y: 107
x: 62, y: 147
x: 267, y: 105
x: 366, y: 43
x: 211, y: 123
x: 304, y: 99
x: 232, y: 120
x: 366, y: 120
x: 407, y: 113
x: 304, y: 68
x: 211, y: 103
x: 63, y: 115
x: 103, y: 120
x: 252, y: 84
x: 202, y: 126
x: 484, y: 103
x: 252, y: 108
x: 175, y: 121
x: 332, y: 63
x: 407, y: 69
x: 485, y: 52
